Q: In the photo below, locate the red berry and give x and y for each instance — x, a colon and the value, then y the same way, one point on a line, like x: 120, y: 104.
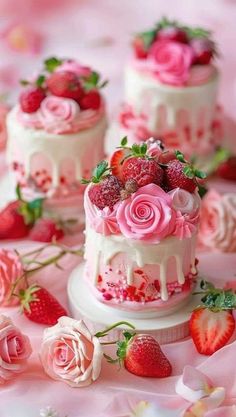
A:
x: 91, y: 100
x: 45, y: 230
x: 65, y: 84
x: 40, y: 306
x: 12, y: 225
x: 144, y: 357
x: 144, y: 171
x: 106, y: 193
x: 175, y: 177
x: 211, y: 330
x: 116, y: 162
x: 139, y: 48
x: 31, y: 99
x: 166, y: 157
x: 172, y: 33
x: 227, y: 169
x: 203, y: 50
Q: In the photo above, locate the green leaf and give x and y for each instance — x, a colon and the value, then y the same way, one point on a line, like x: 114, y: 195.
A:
x: 143, y: 148
x: 135, y: 149
x: 180, y: 156
x: 188, y: 172
x: 100, y: 169
x: 124, y: 141
x: 40, y: 80
x: 52, y: 63
x: 199, y: 174
x: 148, y: 38
x: 202, y: 191
x: 24, y: 82
x: 84, y: 181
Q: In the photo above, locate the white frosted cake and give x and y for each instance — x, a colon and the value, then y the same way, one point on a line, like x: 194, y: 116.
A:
x: 142, y: 217
x: 56, y: 132
x: 171, y: 87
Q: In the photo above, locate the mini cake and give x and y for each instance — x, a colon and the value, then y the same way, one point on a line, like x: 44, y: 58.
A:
x: 171, y: 90
x: 142, y: 215
x: 56, y: 132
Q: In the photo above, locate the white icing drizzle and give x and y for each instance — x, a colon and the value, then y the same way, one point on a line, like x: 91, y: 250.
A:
x: 28, y: 142
x: 100, y: 248
x: 163, y: 103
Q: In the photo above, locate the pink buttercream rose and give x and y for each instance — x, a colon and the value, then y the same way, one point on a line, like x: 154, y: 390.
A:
x: 11, y: 269
x: 15, y: 349
x: 76, y: 67
x: 31, y: 120
x: 200, y: 74
x: 70, y: 353
x: 218, y: 222
x: 147, y: 214
x: 185, y: 202
x: 185, y: 225
x: 171, y: 61
x: 58, y: 114
x: 102, y: 221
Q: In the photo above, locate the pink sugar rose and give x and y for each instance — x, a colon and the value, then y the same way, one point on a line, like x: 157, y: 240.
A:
x: 73, y: 66
x: 172, y: 61
x: 11, y: 269
x: 58, y: 114
x: 70, y: 353
x: 218, y: 222
x: 147, y: 214
x: 15, y: 349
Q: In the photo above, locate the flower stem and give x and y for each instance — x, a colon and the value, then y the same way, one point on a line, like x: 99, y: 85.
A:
x: 108, y: 329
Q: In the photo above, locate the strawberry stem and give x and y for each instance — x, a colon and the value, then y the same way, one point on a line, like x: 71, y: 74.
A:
x: 216, y: 299
x: 108, y: 329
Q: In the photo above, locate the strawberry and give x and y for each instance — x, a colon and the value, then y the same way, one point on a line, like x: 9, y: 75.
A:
x: 116, y: 161
x: 143, y: 170
x: 45, y: 230
x: 106, y: 193
x: 175, y: 177
x: 139, y: 48
x: 203, y: 50
x: 211, y: 330
x: 212, y: 323
x: 227, y: 169
x: 40, y: 306
x: 65, y: 84
x: 90, y: 100
x: 12, y: 223
x: 31, y: 99
x: 172, y: 33
x: 142, y: 356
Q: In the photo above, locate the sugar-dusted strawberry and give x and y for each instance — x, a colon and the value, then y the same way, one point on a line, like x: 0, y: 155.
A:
x: 139, y: 47
x: 227, y: 169
x: 65, y: 84
x: 172, y: 33
x: 212, y: 324
x: 12, y: 223
x: 203, y: 50
x: 180, y: 173
x: 90, y: 100
x: 105, y: 188
x: 31, y: 98
x: 46, y: 230
x: 142, y: 356
x: 40, y: 306
x: 143, y: 170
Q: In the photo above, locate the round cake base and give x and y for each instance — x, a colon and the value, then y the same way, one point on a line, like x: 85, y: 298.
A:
x: 84, y: 305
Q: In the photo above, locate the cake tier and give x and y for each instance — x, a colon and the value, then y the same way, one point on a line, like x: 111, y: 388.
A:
x: 135, y: 275
x: 46, y: 161
x: 185, y: 115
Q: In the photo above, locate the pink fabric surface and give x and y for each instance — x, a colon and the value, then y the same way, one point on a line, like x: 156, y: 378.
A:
x: 96, y: 34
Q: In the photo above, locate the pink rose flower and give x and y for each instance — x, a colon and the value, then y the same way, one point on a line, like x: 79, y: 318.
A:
x: 102, y: 221
x: 172, y: 61
x: 218, y: 221
x: 58, y: 114
x: 184, y: 201
x: 15, y: 349
x: 73, y: 66
x: 147, y: 214
x: 11, y: 269
x: 69, y: 353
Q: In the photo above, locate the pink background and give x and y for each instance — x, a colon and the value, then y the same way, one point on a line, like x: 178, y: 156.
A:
x: 98, y: 32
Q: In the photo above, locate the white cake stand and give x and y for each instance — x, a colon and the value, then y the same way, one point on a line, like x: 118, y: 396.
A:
x: 97, y: 316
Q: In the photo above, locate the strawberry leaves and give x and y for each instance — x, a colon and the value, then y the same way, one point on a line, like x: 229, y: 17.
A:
x: 93, y: 81
x: 30, y: 210
x: 52, y: 63
x: 101, y: 171
x: 217, y: 299
x: 189, y: 169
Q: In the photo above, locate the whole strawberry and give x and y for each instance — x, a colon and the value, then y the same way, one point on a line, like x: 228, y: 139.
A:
x: 142, y: 356
x: 65, y: 84
x: 227, y: 169
x: 46, y: 230
x: 203, y: 50
x: 105, y: 188
x: 12, y: 223
x: 181, y: 174
x: 90, y: 100
x: 40, y: 306
x: 31, y: 98
x: 212, y: 324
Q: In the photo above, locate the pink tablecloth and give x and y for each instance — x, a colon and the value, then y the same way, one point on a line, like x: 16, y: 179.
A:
x: 99, y: 34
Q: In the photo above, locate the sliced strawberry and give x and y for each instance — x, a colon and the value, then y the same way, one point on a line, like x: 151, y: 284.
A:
x: 211, y: 330
x: 116, y: 161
